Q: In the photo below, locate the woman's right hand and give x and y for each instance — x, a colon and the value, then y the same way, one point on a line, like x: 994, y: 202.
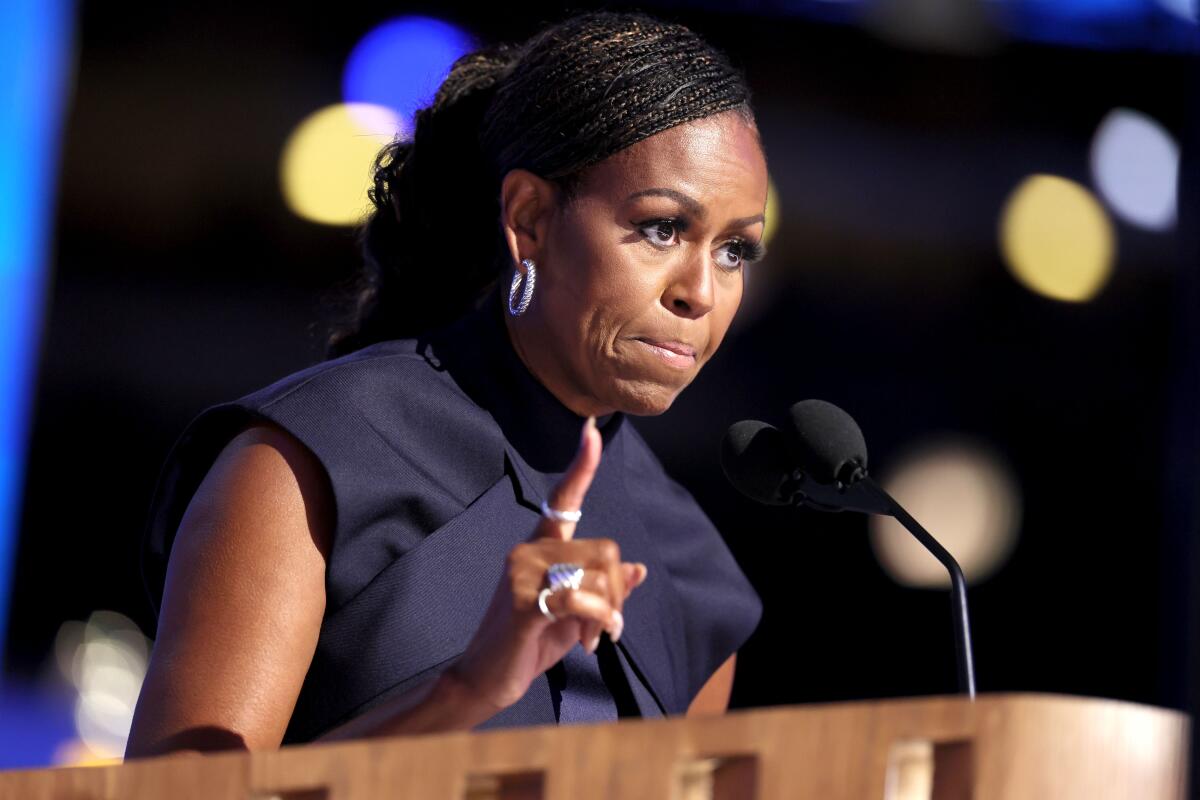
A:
x: 515, y: 642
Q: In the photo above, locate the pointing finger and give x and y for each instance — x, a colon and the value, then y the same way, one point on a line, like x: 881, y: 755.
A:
x: 569, y: 493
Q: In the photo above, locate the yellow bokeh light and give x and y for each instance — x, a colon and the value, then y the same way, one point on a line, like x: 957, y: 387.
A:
x: 326, y: 163
x: 1057, y: 239
x: 771, y: 221
x: 77, y: 753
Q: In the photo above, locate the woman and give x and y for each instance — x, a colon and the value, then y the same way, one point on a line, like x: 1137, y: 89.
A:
x: 422, y: 533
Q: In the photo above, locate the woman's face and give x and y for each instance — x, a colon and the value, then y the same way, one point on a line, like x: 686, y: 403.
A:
x: 638, y: 278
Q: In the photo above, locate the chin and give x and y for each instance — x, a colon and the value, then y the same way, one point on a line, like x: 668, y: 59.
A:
x: 646, y: 399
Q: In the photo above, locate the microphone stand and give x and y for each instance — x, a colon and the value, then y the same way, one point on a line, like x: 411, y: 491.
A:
x: 861, y: 493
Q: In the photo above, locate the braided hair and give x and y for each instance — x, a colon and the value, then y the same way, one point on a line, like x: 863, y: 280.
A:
x: 569, y: 97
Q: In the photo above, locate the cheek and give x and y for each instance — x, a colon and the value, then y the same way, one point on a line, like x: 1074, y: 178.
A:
x: 732, y: 298
x: 610, y: 286
x: 589, y: 295
x: 625, y: 298
x: 587, y: 260
x: 626, y: 284
x: 620, y: 298
x: 728, y: 301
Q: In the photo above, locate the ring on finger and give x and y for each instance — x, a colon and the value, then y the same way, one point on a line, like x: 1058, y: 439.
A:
x: 542, y: 595
x: 561, y: 576
x: 560, y: 516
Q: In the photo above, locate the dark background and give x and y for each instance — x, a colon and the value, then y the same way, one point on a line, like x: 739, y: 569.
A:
x: 182, y: 280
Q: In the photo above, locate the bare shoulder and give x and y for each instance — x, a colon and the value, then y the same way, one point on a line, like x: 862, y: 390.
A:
x: 265, y: 491
x: 243, y: 601
x: 270, y: 468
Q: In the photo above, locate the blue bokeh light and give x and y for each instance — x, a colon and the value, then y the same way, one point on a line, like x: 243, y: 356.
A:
x: 35, y: 721
x: 1151, y: 25
x: 35, y: 51
x: 401, y: 63
x: 1098, y: 24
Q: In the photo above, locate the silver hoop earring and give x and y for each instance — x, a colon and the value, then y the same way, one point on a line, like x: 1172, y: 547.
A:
x: 526, y: 292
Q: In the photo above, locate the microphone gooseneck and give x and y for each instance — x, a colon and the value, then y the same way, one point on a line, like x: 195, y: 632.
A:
x: 958, y: 584
x: 821, y: 462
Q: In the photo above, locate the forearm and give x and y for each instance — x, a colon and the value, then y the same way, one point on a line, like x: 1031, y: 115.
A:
x: 714, y: 695
x: 441, y: 703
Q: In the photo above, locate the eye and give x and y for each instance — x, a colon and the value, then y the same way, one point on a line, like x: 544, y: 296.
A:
x: 660, y: 232
x: 743, y: 252
x: 736, y: 252
x: 733, y: 249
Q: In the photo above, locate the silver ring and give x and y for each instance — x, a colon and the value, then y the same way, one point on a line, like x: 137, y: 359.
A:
x: 542, y: 595
x: 560, y: 516
x: 563, y: 576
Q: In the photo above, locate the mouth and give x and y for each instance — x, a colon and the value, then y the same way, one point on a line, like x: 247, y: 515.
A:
x: 675, y: 354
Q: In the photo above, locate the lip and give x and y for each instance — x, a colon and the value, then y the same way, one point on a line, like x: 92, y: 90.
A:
x: 677, y: 354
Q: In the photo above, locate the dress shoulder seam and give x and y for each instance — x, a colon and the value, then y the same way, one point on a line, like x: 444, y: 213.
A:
x: 336, y: 368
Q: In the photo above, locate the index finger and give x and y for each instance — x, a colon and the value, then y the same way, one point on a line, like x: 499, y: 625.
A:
x: 568, y: 494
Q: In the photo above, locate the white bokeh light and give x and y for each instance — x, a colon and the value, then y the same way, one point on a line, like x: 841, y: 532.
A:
x: 105, y: 659
x: 963, y: 494
x: 1135, y: 165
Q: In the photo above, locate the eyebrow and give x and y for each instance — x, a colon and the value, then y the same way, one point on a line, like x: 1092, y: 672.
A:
x: 692, y: 204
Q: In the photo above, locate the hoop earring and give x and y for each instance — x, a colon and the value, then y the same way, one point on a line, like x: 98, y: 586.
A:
x: 526, y: 292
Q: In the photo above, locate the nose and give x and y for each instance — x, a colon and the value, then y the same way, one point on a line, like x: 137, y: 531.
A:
x: 690, y: 292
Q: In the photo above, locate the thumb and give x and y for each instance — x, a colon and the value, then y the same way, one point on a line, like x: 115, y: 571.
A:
x: 634, y: 574
x: 568, y: 494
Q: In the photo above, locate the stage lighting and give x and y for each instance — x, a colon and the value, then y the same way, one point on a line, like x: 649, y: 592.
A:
x: 325, y: 169
x: 1057, y: 239
x: 1135, y: 165
x: 964, y: 494
x: 401, y: 63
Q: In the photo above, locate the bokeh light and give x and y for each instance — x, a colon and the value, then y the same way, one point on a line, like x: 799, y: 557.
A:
x: 401, y: 63
x: 950, y: 26
x: 325, y: 169
x: 1187, y: 10
x: 1135, y: 165
x: 1057, y: 238
x: 105, y: 660
x: 771, y: 214
x: 963, y: 494
x: 38, y: 51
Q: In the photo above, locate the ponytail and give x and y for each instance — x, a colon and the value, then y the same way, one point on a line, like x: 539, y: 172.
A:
x: 431, y: 245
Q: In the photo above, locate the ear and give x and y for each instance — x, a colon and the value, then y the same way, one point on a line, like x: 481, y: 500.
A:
x: 527, y: 202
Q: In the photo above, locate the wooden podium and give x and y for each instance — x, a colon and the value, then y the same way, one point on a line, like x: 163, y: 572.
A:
x: 1000, y: 746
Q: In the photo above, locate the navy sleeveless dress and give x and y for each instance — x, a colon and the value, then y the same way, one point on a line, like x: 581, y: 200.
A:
x: 439, y: 451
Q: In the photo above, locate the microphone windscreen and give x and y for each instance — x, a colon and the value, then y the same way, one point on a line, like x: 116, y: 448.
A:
x: 827, y: 442
x: 754, y: 456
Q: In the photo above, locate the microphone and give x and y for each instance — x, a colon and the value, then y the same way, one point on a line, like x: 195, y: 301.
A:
x: 821, y: 462
x: 827, y: 442
x: 755, y: 459
x: 760, y: 461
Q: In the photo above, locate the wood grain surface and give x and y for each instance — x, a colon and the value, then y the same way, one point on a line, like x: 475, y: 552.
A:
x: 1000, y: 747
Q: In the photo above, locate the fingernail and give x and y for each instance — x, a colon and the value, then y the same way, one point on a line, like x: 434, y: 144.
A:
x: 589, y: 423
x: 618, y: 626
x: 642, y: 573
x: 593, y: 644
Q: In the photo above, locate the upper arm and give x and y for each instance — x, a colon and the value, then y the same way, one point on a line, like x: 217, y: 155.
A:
x: 243, y: 600
x: 713, y: 697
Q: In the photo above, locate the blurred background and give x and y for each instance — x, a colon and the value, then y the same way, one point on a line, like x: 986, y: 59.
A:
x: 983, y: 245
